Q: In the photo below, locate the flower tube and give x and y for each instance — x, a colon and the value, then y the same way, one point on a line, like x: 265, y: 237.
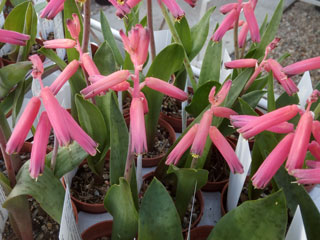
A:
x: 302, y: 66
x: 59, y: 43
x: 7, y: 36
x: 52, y: 9
x: 307, y: 176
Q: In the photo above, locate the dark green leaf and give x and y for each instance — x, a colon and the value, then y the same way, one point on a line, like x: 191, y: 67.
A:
x: 199, y: 33
x: 108, y: 36
x: 211, y: 64
x: 104, y: 59
x: 158, y: 217
x: 187, y: 179
x: 11, y: 75
x: 260, y: 219
x: 246, y: 109
x: 120, y: 204
x: 47, y: 191
x: 271, y: 100
x: 183, y: 31
x: 253, y: 98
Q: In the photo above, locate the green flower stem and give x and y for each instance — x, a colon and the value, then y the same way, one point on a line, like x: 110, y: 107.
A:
x: 177, y: 39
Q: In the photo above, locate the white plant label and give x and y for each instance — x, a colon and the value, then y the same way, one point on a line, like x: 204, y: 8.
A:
x: 296, y: 230
x: 236, y: 181
x: 68, y: 227
x: 1, y: 19
x: 3, y: 212
x: 305, y: 89
x: 224, y: 73
x: 59, y: 33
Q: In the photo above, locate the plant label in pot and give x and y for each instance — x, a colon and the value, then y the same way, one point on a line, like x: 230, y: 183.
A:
x: 296, y: 230
x: 236, y: 181
x: 3, y: 211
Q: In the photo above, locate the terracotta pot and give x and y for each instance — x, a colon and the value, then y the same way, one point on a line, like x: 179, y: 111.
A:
x: 223, y: 199
x: 218, y: 185
x: 151, y: 162
x: 83, y: 206
x: 98, y: 230
x: 200, y: 233
x: 75, y: 211
x: 149, y: 176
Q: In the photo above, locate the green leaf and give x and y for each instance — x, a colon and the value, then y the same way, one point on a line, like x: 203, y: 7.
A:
x: 104, y: 59
x: 11, y: 75
x: 253, y: 98
x: 119, y: 202
x: 200, y: 98
x: 187, y: 178
x: 199, y: 33
x: 260, y: 219
x: 108, y: 36
x: 246, y: 109
x: 17, y: 103
x: 285, y: 100
x: 92, y: 122
x: 184, y: 33
x: 67, y: 159
x: 168, y: 61
x: 271, y: 31
x: 70, y: 7
x: 47, y: 190
x: 119, y: 139
x: 211, y: 64
x: 271, y: 100
x: 23, y: 19
x: 158, y: 217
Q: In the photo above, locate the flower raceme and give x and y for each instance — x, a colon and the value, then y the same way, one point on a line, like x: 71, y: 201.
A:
x: 52, y: 9
x: 16, y: 38
x: 197, y: 135
x: 174, y: 8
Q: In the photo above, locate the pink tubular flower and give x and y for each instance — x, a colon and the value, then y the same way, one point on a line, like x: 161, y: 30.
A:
x: 137, y: 127
x: 166, y: 88
x: 136, y: 44
x: 287, y: 83
x: 242, y: 63
x: 16, y: 38
x: 243, y: 35
x: 192, y: 3
x: 121, y: 6
x: 66, y: 74
x: 174, y: 8
x: 182, y: 146
x: 59, y: 43
x: 132, y: 3
x: 201, y: 135
x: 218, y: 99
x: 226, y: 150
x: 241, y: 120
x: 225, y: 25
x: 302, y: 66
x: 37, y: 69
x: 252, y: 22
x: 73, y: 26
x: 273, y: 162
x: 39, y: 147
x: 268, y: 120
x: 64, y: 126
x: 104, y: 84
x: 313, y: 164
x: 316, y: 130
x: 224, y: 9
x: 52, y: 9
x: 23, y: 126
x: 307, y: 176
x: 88, y: 64
x: 314, y: 148
x: 223, y: 112
x: 299, y: 147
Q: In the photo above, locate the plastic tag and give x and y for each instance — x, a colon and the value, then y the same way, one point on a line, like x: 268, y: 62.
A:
x: 68, y: 227
x: 224, y: 73
x: 305, y: 89
x: 59, y: 33
x: 236, y: 181
x: 296, y: 230
x: 3, y: 212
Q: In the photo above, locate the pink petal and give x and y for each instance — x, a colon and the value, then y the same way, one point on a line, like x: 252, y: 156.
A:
x: 88, y: 64
x: 225, y: 25
x: 122, y: 9
x: 313, y: 164
x: 23, y: 126
x: 221, y: 95
x: 307, y: 176
x: 182, y: 146
x: 223, y: 112
x: 192, y: 3
x: 39, y: 146
x: 228, y: 7
x: 7, y: 36
x: 137, y: 127
x: 273, y: 162
x: 302, y: 66
x: 174, y: 8
x: 124, y: 86
x: 66, y: 74
x: 201, y: 136
x: 37, y: 66
x: 300, y: 142
x: 166, y: 88
x: 50, y: 11
x: 104, y: 84
x: 243, y: 35
x: 74, y: 26
x: 268, y: 120
x: 314, y: 148
x: 242, y: 63
x: 133, y: 3
x: 226, y: 150
x: 316, y: 130
x: 59, y: 43
x: 252, y: 22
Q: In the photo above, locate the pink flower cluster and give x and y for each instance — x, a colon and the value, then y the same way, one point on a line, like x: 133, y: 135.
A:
x: 197, y: 134
x: 16, y: 38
